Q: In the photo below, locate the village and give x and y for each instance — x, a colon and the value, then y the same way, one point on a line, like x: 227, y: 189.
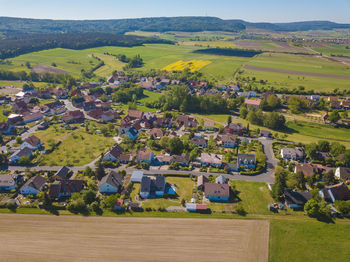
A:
x: 186, y: 160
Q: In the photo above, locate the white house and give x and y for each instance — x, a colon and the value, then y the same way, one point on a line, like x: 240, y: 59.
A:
x: 111, y: 183
x: 114, y: 154
x: 32, y: 143
x: 33, y: 186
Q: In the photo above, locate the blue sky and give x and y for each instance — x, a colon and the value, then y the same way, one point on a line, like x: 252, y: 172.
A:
x: 250, y: 10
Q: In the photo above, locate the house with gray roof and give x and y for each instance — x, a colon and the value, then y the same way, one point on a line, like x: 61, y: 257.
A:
x: 111, y: 183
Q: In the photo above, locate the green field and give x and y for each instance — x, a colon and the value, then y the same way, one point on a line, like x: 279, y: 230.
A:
x: 335, y: 49
x: 308, y: 240
x: 77, y: 147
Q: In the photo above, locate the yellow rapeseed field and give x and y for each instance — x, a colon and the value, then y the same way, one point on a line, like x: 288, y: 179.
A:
x: 192, y: 65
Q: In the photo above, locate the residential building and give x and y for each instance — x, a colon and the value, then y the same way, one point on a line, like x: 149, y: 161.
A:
x: 156, y: 133
x: 201, y: 180
x: 199, y: 141
x: 65, y: 188
x: 307, y: 169
x: 221, y: 180
x: 246, y: 161
x: 136, y: 177
x: 208, y: 159
x: 7, y: 182
x: 186, y: 121
x: 292, y: 153
x: 76, y: 116
x: 145, y: 190
x: 6, y: 128
x: 253, y: 103
x: 296, y: 199
x: 16, y: 156
x: 159, y: 186
x: 32, y: 143
x: 114, y: 154
x: 145, y: 156
x: 342, y: 173
x: 31, y: 117
x: 209, y: 125
x: 228, y: 141
x: 63, y: 173
x: 217, y: 192
x: 234, y: 129
x: 111, y: 183
x: 265, y: 133
x: 336, y: 192
x: 33, y: 186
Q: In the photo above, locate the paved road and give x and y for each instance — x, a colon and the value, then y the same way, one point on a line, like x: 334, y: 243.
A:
x: 70, y: 107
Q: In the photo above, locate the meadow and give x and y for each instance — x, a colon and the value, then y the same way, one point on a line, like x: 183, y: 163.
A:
x: 76, y: 147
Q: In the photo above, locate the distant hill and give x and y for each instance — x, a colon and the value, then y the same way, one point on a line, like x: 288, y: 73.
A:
x: 10, y: 25
x: 295, y: 26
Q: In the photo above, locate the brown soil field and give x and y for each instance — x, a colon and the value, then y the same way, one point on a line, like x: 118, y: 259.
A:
x: 29, y: 238
x: 9, y: 90
x: 40, y: 69
x: 292, y: 72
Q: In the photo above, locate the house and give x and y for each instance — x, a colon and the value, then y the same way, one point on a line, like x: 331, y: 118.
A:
x: 199, y: 141
x: 156, y: 133
x: 296, y: 199
x: 196, y: 207
x: 145, y: 190
x: 136, y: 177
x: 253, y: 103
x: 183, y: 160
x: 336, y: 192
x: 62, y: 173
x: 6, y: 128
x: 159, y: 186
x: 76, y: 116
x: 201, y: 180
x: 209, y: 125
x: 32, y: 143
x: 145, y: 156
x: 163, y: 123
x: 346, y: 104
x: 114, y: 154
x: 208, y: 159
x: 125, y: 158
x: 217, y: 192
x: 33, y: 186
x: 221, y: 180
x: 292, y: 153
x: 60, y: 93
x: 322, y: 155
x: 342, y: 173
x: 246, y: 161
x: 65, y: 188
x: 95, y: 113
x: 307, y: 169
x: 234, y: 129
x: 228, y: 141
x: 186, y: 121
x: 265, y: 133
x: 31, y: 117
x: 7, y: 182
x: 135, y: 114
x: 16, y: 156
x: 128, y: 130
x: 119, y: 204
x: 111, y: 183
x: 108, y: 116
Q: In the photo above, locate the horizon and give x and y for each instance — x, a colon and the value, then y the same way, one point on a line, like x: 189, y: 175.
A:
x: 271, y: 11
x: 106, y: 19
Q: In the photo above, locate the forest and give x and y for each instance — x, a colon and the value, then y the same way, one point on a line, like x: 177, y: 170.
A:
x: 19, y: 44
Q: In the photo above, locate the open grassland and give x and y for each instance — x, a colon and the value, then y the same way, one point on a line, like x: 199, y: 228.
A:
x: 4, y: 108
x: 270, y: 45
x: 72, y: 61
x: 192, y: 65
x: 308, y: 240
x: 149, y: 97
x: 76, y: 147
x: 111, y: 64
x: 39, y: 238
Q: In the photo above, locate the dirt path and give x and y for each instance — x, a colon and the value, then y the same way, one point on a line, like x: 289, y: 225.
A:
x: 292, y: 72
x: 72, y: 238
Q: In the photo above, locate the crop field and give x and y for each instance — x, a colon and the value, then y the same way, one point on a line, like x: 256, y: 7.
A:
x: 28, y: 238
x: 192, y: 65
x: 333, y: 49
x: 212, y: 44
x: 269, y: 45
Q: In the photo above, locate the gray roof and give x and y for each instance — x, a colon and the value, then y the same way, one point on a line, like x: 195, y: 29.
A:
x: 145, y: 184
x: 160, y: 183
x: 7, y: 180
x: 63, y: 172
x: 36, y: 182
x: 244, y: 157
x: 113, y: 178
x: 216, y: 190
x: 22, y: 152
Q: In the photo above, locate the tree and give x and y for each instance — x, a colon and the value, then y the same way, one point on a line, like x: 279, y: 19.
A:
x: 100, y: 170
x: 229, y: 120
x: 324, y: 146
x: 297, y: 105
x: 280, y: 183
x: 329, y: 178
x: 343, y: 207
x: 95, y: 206
x: 243, y: 111
x: 337, y: 149
x: 300, y: 179
x: 77, y: 206
x: 109, y: 202
x: 312, y: 208
x: 346, y: 157
x: 274, y: 121
x: 273, y: 102
x: 88, y: 172
x: 89, y: 196
x: 176, y: 146
x: 334, y: 116
x: 194, y: 154
x: 311, y: 150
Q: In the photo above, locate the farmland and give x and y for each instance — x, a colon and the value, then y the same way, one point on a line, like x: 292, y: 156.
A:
x: 180, y: 239
x: 192, y: 65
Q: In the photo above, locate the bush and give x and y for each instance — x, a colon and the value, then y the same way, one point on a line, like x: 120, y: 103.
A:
x: 77, y: 206
x: 240, y: 210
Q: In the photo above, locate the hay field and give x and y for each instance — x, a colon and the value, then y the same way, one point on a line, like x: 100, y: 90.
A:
x: 28, y: 238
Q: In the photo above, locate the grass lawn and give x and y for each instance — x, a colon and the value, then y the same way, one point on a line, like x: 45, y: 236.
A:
x: 4, y: 108
x: 308, y: 240
x: 111, y: 64
x: 77, y: 147
x: 149, y: 97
